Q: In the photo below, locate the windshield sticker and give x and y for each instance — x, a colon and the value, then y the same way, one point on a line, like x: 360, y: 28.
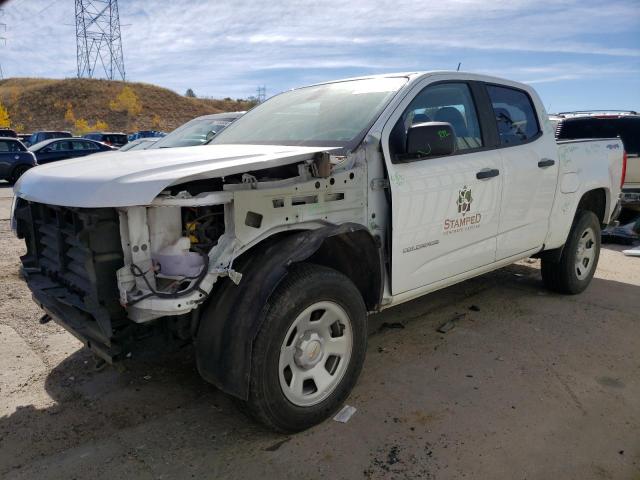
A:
x: 466, y: 220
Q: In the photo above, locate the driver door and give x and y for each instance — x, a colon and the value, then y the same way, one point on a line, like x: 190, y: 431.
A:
x: 445, y: 210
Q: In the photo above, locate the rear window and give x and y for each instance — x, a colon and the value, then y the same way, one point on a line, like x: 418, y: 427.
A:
x: 515, y: 115
x: 628, y: 129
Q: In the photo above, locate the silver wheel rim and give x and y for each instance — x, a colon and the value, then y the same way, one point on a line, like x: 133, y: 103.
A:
x: 585, y: 254
x: 315, y: 353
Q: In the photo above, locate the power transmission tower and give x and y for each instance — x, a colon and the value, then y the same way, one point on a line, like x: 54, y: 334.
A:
x: 261, y: 94
x: 3, y: 39
x: 98, y: 39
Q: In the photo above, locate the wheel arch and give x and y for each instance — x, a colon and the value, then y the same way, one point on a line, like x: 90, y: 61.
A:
x: 595, y: 200
x: 233, y: 315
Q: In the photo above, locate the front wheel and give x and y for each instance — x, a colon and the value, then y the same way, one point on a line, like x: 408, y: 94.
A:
x: 18, y: 172
x: 309, y: 351
x: 577, y: 265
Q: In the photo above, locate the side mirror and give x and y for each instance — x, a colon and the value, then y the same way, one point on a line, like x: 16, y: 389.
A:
x: 430, y: 139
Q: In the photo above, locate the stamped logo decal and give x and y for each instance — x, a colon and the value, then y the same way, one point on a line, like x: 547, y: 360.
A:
x: 466, y: 220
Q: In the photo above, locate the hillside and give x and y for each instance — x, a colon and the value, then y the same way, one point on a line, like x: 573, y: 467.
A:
x: 86, y: 104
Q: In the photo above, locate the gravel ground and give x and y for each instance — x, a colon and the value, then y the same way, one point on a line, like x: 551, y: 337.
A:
x: 528, y: 385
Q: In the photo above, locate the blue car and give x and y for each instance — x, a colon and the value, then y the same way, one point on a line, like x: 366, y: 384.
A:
x: 145, y: 134
x: 15, y: 159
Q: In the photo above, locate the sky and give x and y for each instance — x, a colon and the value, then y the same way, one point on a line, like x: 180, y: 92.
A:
x: 581, y: 54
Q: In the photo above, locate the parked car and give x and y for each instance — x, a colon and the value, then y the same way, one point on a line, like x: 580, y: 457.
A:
x: 8, y: 133
x: 609, y: 124
x: 110, y: 138
x: 139, y: 144
x: 267, y: 248
x: 24, y: 138
x: 146, y: 134
x: 61, y: 149
x: 38, y: 137
x: 198, y: 131
x: 15, y: 159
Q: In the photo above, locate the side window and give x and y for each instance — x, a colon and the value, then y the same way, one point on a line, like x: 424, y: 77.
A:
x: 82, y: 145
x: 445, y: 102
x: 15, y: 147
x: 515, y: 115
x: 5, y: 146
x: 61, y: 146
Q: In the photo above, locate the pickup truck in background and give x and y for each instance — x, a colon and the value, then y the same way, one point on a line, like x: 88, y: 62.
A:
x: 15, y: 159
x: 267, y: 248
x: 609, y: 124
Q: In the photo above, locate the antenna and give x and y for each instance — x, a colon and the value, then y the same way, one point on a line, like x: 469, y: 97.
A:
x: 98, y: 39
x: 261, y: 94
x: 458, y: 69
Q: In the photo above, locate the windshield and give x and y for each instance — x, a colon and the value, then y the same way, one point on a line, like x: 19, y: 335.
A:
x: 194, y: 132
x: 333, y: 114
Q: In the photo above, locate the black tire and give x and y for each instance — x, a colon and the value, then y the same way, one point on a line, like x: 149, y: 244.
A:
x: 562, y: 276
x: 304, y: 285
x: 18, y: 172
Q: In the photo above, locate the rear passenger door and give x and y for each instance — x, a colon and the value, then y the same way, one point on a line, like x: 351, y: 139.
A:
x: 530, y: 171
x: 445, y: 210
x: 83, y: 147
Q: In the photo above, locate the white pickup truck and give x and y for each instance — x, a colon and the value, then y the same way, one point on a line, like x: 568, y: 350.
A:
x: 268, y: 248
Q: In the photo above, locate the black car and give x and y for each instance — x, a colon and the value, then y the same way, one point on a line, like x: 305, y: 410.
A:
x: 24, y: 138
x: 110, y: 138
x: 41, y: 136
x: 8, y: 132
x: 15, y: 159
x: 63, y: 148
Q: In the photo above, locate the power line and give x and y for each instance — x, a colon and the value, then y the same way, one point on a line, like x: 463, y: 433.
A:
x: 98, y: 39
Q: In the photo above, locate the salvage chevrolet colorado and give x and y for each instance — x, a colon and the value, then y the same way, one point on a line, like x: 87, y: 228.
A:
x: 267, y: 248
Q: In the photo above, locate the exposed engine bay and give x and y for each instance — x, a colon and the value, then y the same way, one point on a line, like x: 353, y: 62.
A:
x: 176, y: 249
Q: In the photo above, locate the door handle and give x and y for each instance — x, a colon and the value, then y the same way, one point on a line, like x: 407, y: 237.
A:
x: 546, y: 162
x: 488, y: 173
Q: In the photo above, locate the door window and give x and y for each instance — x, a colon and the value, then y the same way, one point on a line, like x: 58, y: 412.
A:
x: 61, y: 146
x: 10, y: 146
x: 80, y: 145
x: 515, y: 115
x: 446, y: 102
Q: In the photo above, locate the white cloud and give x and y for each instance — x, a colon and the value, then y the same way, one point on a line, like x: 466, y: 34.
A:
x: 228, y: 47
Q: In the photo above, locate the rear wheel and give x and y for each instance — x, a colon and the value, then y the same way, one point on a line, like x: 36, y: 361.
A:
x: 310, y: 349
x: 18, y: 172
x: 577, y: 265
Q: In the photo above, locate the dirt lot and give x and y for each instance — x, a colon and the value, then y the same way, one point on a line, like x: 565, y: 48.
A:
x: 528, y: 385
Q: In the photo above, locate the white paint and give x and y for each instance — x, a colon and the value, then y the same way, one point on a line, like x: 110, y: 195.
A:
x: 137, y: 177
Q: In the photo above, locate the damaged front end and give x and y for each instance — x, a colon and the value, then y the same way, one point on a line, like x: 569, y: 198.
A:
x: 125, y: 280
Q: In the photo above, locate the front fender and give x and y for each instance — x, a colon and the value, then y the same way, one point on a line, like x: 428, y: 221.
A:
x: 234, y: 314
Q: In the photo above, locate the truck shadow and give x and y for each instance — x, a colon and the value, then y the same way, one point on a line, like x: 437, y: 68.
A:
x: 165, y: 400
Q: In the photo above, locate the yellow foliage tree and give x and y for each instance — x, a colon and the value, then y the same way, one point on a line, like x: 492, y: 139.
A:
x: 5, y: 119
x: 82, y: 126
x: 156, y: 122
x: 126, y: 101
x: 100, y: 125
x: 69, y: 116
